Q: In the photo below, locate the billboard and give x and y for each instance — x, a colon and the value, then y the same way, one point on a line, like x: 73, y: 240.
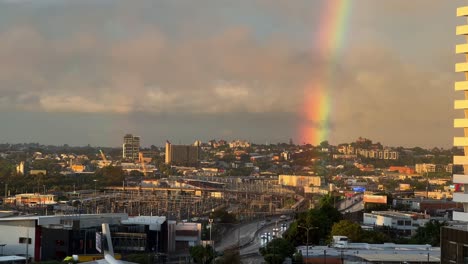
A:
x: 99, y: 242
x: 299, y: 180
x: 405, y: 187
x: 380, y: 199
x: 359, y: 189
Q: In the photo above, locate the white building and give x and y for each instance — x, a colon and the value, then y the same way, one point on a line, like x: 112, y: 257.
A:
x: 27, y: 235
x: 20, y: 168
x: 406, y: 222
x: 425, y: 167
x: 239, y: 144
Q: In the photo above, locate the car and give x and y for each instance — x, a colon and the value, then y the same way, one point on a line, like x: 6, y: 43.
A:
x: 262, y: 223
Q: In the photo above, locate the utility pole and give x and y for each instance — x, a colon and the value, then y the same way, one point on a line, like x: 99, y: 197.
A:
x: 308, y: 229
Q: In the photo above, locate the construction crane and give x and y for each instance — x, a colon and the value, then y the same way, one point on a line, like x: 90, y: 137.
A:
x: 103, y: 156
x: 105, y: 161
x: 142, y: 161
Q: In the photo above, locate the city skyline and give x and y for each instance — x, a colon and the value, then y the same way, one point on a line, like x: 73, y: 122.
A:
x: 88, y: 73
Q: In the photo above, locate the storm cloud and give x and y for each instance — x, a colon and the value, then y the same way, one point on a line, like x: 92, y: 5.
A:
x: 205, y: 60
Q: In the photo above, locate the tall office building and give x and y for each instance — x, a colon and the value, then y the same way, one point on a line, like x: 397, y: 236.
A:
x: 131, y: 147
x: 454, y: 239
x: 183, y: 155
x: 462, y: 86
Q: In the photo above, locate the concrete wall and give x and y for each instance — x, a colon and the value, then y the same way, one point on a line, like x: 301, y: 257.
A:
x: 11, y: 231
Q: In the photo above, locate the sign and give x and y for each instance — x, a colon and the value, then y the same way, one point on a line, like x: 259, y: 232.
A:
x: 380, y: 199
x: 359, y: 189
x: 99, y: 242
x: 405, y: 187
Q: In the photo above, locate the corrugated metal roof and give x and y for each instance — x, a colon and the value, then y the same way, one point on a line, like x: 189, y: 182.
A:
x: 397, y: 257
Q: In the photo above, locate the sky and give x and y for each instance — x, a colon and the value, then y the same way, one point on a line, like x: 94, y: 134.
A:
x: 88, y: 72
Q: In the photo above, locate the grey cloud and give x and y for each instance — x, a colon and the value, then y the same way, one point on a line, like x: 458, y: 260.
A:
x: 164, y: 57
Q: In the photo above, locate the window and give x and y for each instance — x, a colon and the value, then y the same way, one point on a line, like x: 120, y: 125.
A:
x: 465, y: 254
x: 408, y: 223
x: 400, y: 222
x: 24, y: 240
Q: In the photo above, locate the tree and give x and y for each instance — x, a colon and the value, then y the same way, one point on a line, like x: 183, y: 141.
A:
x: 110, y: 175
x: 322, y: 218
x: 277, y: 250
x: 230, y: 256
x: 374, y: 237
x: 222, y: 216
x: 201, y: 254
x: 347, y: 228
x: 429, y: 233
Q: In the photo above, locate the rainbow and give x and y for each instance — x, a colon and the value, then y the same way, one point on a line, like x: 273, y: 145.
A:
x: 328, y: 41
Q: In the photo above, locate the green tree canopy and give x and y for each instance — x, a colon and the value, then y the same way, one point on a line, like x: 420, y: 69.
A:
x: 110, y: 175
x: 347, y: 228
x: 230, y: 256
x: 429, y: 233
x: 201, y: 254
x: 277, y: 251
x: 318, y: 220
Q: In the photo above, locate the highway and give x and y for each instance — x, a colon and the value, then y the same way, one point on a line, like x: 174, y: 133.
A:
x: 352, y: 204
x: 261, y: 239
x: 249, y: 235
x: 242, y: 233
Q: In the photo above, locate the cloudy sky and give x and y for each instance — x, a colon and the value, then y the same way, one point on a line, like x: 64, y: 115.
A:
x: 88, y: 71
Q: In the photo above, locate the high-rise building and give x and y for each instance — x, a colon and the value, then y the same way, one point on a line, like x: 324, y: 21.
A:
x: 462, y: 67
x: 454, y: 239
x: 183, y: 155
x: 131, y: 147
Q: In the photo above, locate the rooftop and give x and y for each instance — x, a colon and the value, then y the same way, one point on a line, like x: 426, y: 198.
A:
x: 398, y: 214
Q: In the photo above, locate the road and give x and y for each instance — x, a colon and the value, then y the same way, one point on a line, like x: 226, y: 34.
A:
x: 352, y: 204
x: 261, y: 239
x: 248, y: 235
x: 241, y: 233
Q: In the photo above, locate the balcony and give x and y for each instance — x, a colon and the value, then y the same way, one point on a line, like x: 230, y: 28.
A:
x: 462, y: 11
x: 461, y: 49
x: 462, y: 30
x: 460, y: 197
x: 461, y: 86
x: 460, y: 216
x: 460, y: 123
x: 460, y: 178
x: 460, y: 141
x: 461, y: 67
x: 461, y: 104
x: 460, y: 160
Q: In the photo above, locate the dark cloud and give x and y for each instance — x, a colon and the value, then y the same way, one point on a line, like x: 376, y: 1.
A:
x: 166, y: 58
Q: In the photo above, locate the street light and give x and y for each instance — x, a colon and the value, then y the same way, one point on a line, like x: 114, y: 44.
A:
x: 308, y: 229
x: 211, y: 228
x: 95, y: 196
x: 95, y: 186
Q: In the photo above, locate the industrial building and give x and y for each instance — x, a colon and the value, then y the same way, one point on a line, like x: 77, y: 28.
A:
x: 405, y: 223
x: 55, y: 237
x: 299, y: 180
x: 182, y: 155
x: 344, y: 252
